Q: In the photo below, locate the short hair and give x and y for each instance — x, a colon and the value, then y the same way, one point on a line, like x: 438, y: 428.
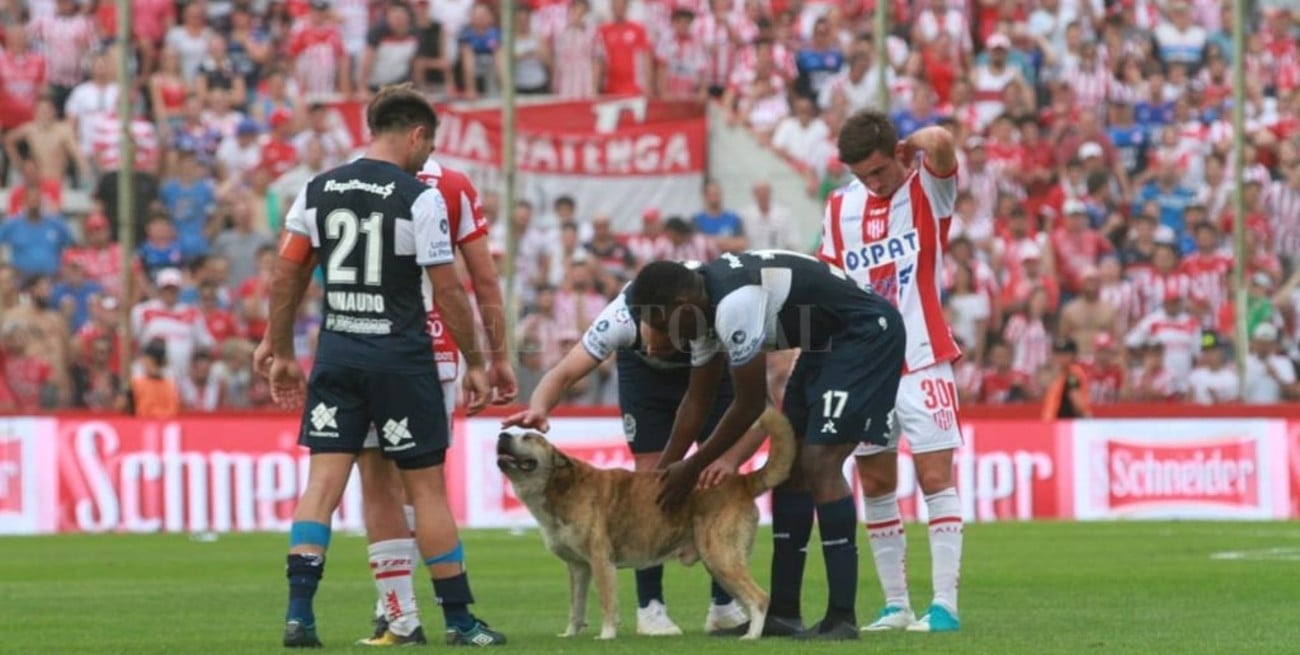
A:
x: 398, y: 108
x: 678, y: 225
x: 661, y: 285
x: 565, y: 201
x: 864, y: 133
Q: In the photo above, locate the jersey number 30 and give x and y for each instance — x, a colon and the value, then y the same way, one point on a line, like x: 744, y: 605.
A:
x: 343, y: 227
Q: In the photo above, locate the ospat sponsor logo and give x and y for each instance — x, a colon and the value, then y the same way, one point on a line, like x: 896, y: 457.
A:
x: 1222, y: 472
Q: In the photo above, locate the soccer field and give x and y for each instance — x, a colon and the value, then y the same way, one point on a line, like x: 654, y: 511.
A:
x: 1037, y: 588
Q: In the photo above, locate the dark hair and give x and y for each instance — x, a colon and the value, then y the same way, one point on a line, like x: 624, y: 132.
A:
x: 398, y: 108
x: 865, y: 133
x: 565, y: 201
x: 678, y: 225
x: 662, y: 285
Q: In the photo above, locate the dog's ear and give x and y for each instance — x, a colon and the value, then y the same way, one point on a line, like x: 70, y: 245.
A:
x: 560, y: 460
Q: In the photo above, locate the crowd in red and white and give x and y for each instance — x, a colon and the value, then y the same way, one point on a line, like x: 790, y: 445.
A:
x: 1095, y: 171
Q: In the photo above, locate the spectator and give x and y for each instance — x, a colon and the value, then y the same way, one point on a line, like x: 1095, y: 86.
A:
x: 800, y: 136
x: 480, y: 45
x: 322, y: 68
x: 818, y: 62
x: 1107, y: 379
x: 90, y: 100
x: 217, y: 318
x: 1177, y: 333
x: 968, y: 309
x: 238, y: 156
x: 681, y: 60
x: 1000, y: 383
x: 530, y: 369
x: 1180, y: 41
x: 153, y: 390
x: 311, y: 164
x: 612, y: 257
x: 74, y: 293
x: 241, y: 242
x: 856, y: 87
x: 389, y: 56
x: 723, y: 226
x: 179, y: 326
x: 625, y: 52
x: 325, y: 127
x: 1067, y: 396
x: 1152, y: 383
x: 572, y: 54
x: 190, y: 40
x: 542, y: 327
x: 161, y: 248
x: 104, y: 319
x: 218, y: 71
x: 1213, y: 381
x: 107, y: 144
x: 188, y: 198
x: 28, y: 378
x: 65, y: 38
x: 769, y: 225
x: 201, y: 389
x: 96, y: 384
x: 50, y: 145
x: 1028, y: 329
x: 36, y: 239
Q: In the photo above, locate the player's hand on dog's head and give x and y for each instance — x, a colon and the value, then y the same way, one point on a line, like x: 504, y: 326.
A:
x: 677, y: 482
x: 478, y: 390
x: 502, y: 376
x: 528, y: 419
x: 288, y: 385
x: 262, y: 359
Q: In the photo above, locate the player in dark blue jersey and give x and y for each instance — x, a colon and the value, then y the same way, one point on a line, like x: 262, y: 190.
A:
x: 841, y: 393
x: 379, y: 232
x: 649, y: 393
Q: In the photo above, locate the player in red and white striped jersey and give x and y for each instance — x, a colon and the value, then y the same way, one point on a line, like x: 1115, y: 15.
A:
x: 388, y: 520
x: 888, y: 230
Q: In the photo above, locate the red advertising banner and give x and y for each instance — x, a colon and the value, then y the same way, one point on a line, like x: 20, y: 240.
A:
x: 238, y: 474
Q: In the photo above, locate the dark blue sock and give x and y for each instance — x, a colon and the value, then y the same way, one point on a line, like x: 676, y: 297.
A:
x: 720, y: 595
x: 304, y: 573
x: 649, y: 586
x: 454, y: 597
x: 838, y: 521
x: 792, y: 519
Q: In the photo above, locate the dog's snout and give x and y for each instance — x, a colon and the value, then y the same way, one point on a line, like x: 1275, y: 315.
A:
x: 505, y: 436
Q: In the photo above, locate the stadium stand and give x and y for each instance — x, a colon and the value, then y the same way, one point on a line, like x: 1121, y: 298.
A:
x: 1095, y: 173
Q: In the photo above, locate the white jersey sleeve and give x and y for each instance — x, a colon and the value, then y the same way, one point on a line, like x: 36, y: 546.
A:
x: 301, y: 220
x: 432, y: 230
x: 942, y: 191
x: 828, y: 252
x: 740, y: 324
x: 612, y: 329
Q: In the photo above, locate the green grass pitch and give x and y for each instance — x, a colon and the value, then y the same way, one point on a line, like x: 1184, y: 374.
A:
x: 1070, y: 588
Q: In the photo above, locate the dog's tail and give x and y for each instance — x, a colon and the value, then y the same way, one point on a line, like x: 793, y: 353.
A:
x: 780, y: 455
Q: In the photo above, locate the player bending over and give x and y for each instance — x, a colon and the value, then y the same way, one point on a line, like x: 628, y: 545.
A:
x: 649, y: 392
x: 841, y: 393
x: 379, y: 232
x: 888, y: 230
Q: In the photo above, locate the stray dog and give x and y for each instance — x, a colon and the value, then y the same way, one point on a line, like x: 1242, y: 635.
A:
x: 597, y: 520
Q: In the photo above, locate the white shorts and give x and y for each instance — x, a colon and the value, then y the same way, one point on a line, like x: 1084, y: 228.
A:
x: 925, y: 412
x: 449, y: 389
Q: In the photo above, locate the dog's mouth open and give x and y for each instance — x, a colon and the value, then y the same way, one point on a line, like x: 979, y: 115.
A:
x: 508, y: 461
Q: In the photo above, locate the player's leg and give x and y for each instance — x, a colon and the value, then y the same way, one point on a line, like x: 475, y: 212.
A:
x: 414, y: 432
x: 877, y: 468
x: 934, y: 434
x: 725, y: 616
x: 333, y: 428
x: 392, y: 551
x: 647, y: 424
x: 792, y: 513
x: 857, y: 387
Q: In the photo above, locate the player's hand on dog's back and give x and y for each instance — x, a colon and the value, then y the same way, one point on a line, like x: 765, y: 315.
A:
x: 528, y: 419
x: 714, y: 474
x: 677, y: 482
x: 478, y: 390
x: 288, y: 386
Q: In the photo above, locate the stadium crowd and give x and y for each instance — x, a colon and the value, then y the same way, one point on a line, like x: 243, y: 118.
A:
x: 1095, y: 174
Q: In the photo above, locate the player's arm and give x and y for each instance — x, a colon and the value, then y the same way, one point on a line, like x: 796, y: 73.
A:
x: 937, y: 144
x: 487, y: 290
x: 292, y: 276
x: 694, y: 409
x: 749, y: 382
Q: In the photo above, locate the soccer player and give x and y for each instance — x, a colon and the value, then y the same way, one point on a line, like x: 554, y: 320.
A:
x: 888, y: 229
x: 649, y: 393
x: 841, y: 393
x: 380, y: 233
x: 389, y: 520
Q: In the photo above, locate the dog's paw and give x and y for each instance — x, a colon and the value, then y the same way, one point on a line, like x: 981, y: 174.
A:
x: 572, y: 630
x: 606, y: 633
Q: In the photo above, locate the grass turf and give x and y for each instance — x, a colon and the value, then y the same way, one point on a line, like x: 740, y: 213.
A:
x: 1140, y: 588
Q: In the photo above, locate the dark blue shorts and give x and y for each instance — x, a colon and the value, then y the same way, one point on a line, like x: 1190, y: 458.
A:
x: 649, y: 399
x: 846, y: 395
x: 406, y: 411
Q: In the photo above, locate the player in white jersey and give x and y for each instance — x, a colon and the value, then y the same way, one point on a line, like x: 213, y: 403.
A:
x: 888, y: 229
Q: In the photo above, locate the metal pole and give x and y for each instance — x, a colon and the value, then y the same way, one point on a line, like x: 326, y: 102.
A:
x: 882, y: 52
x: 1240, y: 344
x: 508, y: 194
x: 125, y: 185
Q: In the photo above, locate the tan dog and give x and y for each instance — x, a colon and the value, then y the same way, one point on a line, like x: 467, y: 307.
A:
x: 598, y: 520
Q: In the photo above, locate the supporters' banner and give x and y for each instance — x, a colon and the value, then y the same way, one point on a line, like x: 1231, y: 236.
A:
x: 617, y: 157
x: 1202, y: 469
x: 241, y: 474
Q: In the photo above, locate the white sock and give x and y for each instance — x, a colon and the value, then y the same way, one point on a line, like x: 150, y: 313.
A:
x: 409, y: 512
x: 391, y: 566
x: 945, y: 545
x: 888, y: 548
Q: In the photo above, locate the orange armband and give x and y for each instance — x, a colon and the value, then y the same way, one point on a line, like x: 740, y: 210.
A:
x: 295, y: 247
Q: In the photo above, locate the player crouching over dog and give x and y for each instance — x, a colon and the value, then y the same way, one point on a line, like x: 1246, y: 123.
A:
x: 599, y: 520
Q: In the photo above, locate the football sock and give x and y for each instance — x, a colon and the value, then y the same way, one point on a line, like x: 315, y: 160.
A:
x: 304, y: 573
x: 649, y: 586
x: 888, y: 548
x: 390, y: 565
x: 792, y: 519
x: 838, y: 523
x: 720, y: 595
x: 945, y: 545
x: 453, y: 593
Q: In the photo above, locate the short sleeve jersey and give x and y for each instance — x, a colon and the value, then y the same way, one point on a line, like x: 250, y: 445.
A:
x: 376, y: 228
x: 617, y: 327
x: 766, y: 300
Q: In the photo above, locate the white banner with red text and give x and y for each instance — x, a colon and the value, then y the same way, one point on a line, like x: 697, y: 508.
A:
x: 243, y: 474
x: 615, y: 156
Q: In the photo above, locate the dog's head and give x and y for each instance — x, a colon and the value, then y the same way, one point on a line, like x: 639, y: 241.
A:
x: 529, y: 460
